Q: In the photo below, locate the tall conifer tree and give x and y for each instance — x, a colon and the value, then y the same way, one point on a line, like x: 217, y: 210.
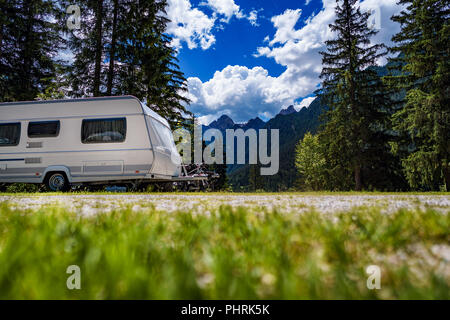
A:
x: 423, y: 60
x: 150, y: 69
x: 86, y: 73
x: 352, y: 93
x: 122, y: 49
x: 29, y: 42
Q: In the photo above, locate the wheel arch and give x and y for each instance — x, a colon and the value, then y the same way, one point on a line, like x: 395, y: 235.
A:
x: 51, y: 169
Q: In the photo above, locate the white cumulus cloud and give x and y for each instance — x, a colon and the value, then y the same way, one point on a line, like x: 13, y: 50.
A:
x: 253, y: 18
x: 189, y: 25
x: 284, y: 24
x: 194, y: 27
x: 227, y: 8
x: 240, y: 92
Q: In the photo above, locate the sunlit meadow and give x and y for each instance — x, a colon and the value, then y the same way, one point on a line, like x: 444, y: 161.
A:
x: 138, y: 246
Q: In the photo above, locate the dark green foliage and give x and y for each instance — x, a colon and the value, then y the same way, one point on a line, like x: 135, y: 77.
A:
x: 136, y: 57
x: 423, y: 72
x: 357, y: 121
x: 22, y: 188
x: 255, y: 179
x: 85, y: 71
x: 310, y: 162
x: 147, y: 52
x: 220, y: 183
x: 29, y: 42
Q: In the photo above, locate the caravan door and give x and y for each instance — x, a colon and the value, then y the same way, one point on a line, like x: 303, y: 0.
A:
x: 98, y: 132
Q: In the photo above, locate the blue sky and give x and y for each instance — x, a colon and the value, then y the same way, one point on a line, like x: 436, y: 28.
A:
x: 249, y: 58
x: 237, y: 42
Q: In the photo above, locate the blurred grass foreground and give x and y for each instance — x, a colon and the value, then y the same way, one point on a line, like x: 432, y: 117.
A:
x: 229, y: 253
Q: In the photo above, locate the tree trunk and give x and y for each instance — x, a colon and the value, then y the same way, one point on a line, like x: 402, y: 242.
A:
x: 98, y: 48
x: 27, y: 56
x: 112, y: 52
x: 358, y: 185
x: 446, y: 171
x: 1, y: 39
x: 354, y: 117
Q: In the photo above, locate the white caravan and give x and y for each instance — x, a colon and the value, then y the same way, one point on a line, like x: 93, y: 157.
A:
x: 97, y: 140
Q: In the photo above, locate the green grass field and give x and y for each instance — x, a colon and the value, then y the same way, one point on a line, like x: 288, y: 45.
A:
x: 229, y: 253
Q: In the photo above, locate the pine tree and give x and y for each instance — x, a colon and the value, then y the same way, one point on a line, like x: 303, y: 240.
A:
x: 423, y: 62
x: 29, y: 42
x: 221, y: 183
x: 86, y: 73
x: 349, y: 89
x: 123, y: 50
x: 8, y: 49
x: 254, y: 177
x: 150, y: 65
x: 113, y: 46
x: 99, y: 13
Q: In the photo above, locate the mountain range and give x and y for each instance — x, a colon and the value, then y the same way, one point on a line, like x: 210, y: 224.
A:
x: 225, y: 122
x: 292, y: 126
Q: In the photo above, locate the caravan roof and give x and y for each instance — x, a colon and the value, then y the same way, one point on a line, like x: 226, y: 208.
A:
x: 104, y: 106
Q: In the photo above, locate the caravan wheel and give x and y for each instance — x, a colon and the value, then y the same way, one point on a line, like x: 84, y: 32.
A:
x: 57, y: 181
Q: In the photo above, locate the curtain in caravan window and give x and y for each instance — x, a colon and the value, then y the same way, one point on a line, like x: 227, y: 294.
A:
x: 103, y: 130
x: 9, y: 134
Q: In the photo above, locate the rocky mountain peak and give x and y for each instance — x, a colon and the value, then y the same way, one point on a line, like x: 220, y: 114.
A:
x: 288, y: 110
x: 224, y: 122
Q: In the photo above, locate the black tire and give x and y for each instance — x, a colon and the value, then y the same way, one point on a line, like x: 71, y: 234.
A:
x: 57, y: 182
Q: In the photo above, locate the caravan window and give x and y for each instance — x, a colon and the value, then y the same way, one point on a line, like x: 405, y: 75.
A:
x: 43, y: 129
x: 9, y: 134
x: 103, y: 130
x: 164, y: 135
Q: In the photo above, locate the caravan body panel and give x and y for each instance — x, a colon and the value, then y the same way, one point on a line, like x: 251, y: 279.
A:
x: 98, y: 139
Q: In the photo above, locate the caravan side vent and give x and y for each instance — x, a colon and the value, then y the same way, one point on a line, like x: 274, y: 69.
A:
x: 34, y: 145
x: 33, y: 160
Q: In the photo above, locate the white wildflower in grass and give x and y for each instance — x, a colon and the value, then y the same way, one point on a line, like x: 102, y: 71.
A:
x: 268, y: 279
